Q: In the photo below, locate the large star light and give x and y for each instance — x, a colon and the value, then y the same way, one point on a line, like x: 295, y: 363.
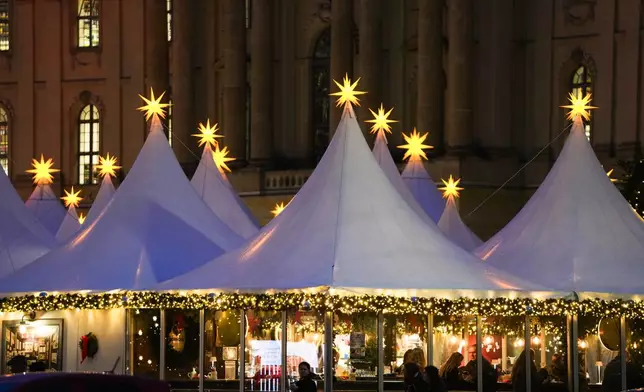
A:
x: 207, y: 134
x: 81, y: 218
x: 609, y: 173
x: 347, y: 95
x: 451, y: 187
x: 42, y: 171
x: 415, y: 145
x: 381, y: 120
x: 153, y: 106
x: 72, y: 198
x: 220, y: 157
x: 107, y: 166
x: 279, y: 207
x: 579, y: 106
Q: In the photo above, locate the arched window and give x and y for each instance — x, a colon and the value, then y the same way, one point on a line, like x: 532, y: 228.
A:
x: 169, y: 119
x: 168, y: 12
x: 4, y: 139
x: 320, y: 79
x: 89, y: 135
x: 582, y: 83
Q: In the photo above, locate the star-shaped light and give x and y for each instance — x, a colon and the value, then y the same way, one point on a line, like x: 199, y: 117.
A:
x: 347, y: 94
x: 220, y: 157
x: 279, y: 207
x: 71, y: 198
x: 451, y: 187
x: 107, y: 166
x: 381, y: 120
x: 415, y: 145
x: 42, y: 171
x: 81, y: 218
x: 609, y: 174
x: 579, y: 105
x: 207, y: 134
x: 153, y: 106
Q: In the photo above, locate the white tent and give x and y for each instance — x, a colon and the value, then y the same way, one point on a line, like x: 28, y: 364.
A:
x: 577, y: 232
x: 22, y: 237
x: 423, y: 188
x: 155, y: 228
x: 217, y: 192
x: 44, y: 204
x: 70, y: 225
x: 348, y: 229
x: 383, y: 157
x: 454, y: 228
x: 103, y: 198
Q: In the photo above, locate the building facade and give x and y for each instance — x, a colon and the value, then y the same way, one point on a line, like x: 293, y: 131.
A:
x: 484, y: 78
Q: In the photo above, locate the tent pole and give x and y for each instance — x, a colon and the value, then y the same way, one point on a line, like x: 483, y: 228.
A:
x: 575, y: 353
x: 328, y: 352
x: 528, y: 353
x: 622, y: 350
x: 430, y: 339
x: 242, y: 350
x: 162, y: 344
x: 479, y: 356
x: 569, y: 352
x: 129, y: 344
x: 381, y: 352
x: 202, y: 349
x: 283, y: 375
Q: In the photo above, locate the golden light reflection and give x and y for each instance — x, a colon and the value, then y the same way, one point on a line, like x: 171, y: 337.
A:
x: 72, y: 198
x: 220, y: 157
x: 42, y: 171
x: 451, y: 187
x: 415, y: 145
x: 381, y: 120
x: 107, y: 166
x: 579, y: 106
x: 207, y: 134
x: 153, y: 106
x: 347, y: 95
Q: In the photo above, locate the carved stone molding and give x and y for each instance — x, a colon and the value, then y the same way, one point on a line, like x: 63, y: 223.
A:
x: 579, y: 12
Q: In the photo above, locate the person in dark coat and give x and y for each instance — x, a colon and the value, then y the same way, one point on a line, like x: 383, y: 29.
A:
x: 435, y: 382
x: 519, y: 374
x: 613, y: 375
x: 414, y: 381
x: 449, y: 372
x: 305, y: 383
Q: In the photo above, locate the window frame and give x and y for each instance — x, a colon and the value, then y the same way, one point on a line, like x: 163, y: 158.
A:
x: 89, y: 18
x: 93, y: 154
x: 583, y: 83
x: 8, y: 21
x: 5, y: 121
x: 168, y: 118
x: 169, y: 12
x: 321, y: 63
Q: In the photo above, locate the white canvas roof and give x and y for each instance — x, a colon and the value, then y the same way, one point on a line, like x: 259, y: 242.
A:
x: 423, y: 188
x: 47, y: 208
x: 103, y: 198
x: 22, y: 237
x: 348, y: 229
x: 155, y: 228
x: 454, y: 228
x: 577, y: 232
x: 70, y: 225
x: 218, y: 194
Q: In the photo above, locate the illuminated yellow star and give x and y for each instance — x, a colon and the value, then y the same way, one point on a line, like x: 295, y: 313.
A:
x: 381, y: 120
x: 42, y: 171
x: 107, y: 166
x: 279, y: 207
x: 415, y: 145
x: 579, y: 105
x: 609, y: 173
x: 81, y: 218
x: 153, y: 106
x: 347, y: 94
x: 207, y: 134
x: 71, y: 198
x: 451, y: 187
x: 220, y: 158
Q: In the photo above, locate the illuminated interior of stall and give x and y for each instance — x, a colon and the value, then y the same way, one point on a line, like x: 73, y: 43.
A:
x: 263, y: 354
x: 221, y: 345
x: 145, y: 334
x: 38, y: 341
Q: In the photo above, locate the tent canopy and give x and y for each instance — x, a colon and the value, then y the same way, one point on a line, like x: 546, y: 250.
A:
x: 423, y: 188
x: 103, y: 198
x: 70, y: 225
x: 454, y: 228
x: 44, y: 204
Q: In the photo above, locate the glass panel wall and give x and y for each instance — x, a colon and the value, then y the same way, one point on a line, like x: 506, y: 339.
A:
x: 305, y: 343
x: 454, y: 351
x: 145, y: 340
x: 405, y: 340
x: 356, y: 347
x: 263, y: 350
x: 221, y: 349
x: 182, y: 346
x: 634, y: 354
x: 598, y: 344
x: 548, y: 341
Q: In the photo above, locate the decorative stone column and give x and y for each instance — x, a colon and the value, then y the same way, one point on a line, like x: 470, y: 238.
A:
x: 156, y: 48
x: 183, y: 121
x: 261, y: 83
x: 234, y: 82
x: 341, y: 52
x: 370, y: 58
x: 431, y: 88
x: 458, y: 133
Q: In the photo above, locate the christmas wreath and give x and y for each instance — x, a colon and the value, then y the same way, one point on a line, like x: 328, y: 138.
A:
x: 88, y: 345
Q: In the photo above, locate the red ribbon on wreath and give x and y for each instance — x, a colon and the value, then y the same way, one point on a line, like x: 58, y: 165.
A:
x: 88, y: 345
x: 84, y: 347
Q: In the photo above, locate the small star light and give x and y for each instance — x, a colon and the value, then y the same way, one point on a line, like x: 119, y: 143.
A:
x: 42, y: 171
x: 609, y: 174
x: 579, y: 106
x: 220, y: 157
x: 381, y: 120
x: 415, y: 145
x: 279, y: 207
x: 107, y: 166
x: 71, y: 198
x: 153, y: 106
x: 347, y: 94
x: 207, y: 134
x: 451, y: 188
x: 81, y: 218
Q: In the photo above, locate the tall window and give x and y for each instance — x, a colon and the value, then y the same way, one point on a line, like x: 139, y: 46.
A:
x: 88, y: 23
x: 249, y: 12
x: 582, y: 83
x: 169, y: 119
x: 320, y: 91
x: 168, y: 10
x: 89, y: 133
x: 4, y: 140
x: 5, y: 35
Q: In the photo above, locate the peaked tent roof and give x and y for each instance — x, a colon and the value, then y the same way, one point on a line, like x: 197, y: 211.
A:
x: 103, y: 198
x: 423, y: 188
x: 155, y: 228
x: 454, y: 228
x: 577, y: 232
x: 44, y: 204
x: 22, y: 237
x: 218, y: 194
x: 70, y: 225
x: 383, y: 157
x: 349, y: 229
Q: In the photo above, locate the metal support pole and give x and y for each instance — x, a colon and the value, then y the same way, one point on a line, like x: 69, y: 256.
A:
x: 575, y: 353
x: 622, y: 350
x: 430, y: 340
x: 569, y: 343
x: 202, y: 347
x: 162, y: 344
x: 284, y: 375
x: 328, y: 352
x: 242, y: 350
x: 479, y: 356
x: 381, y: 352
x: 129, y: 344
x: 528, y: 353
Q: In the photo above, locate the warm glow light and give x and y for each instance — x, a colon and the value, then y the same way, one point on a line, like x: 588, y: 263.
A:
x: 415, y: 145
x: 42, y: 171
x: 609, y: 173
x: 153, y: 105
x: 279, y: 207
x: 582, y: 344
x: 488, y: 340
x: 579, y: 105
x: 107, y: 166
x: 220, y: 158
x: 71, y: 198
x: 451, y: 187
x: 381, y: 120
x: 207, y: 134
x: 347, y: 95
x: 22, y: 329
x: 519, y: 343
x: 536, y: 341
x: 453, y: 340
x: 81, y: 218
